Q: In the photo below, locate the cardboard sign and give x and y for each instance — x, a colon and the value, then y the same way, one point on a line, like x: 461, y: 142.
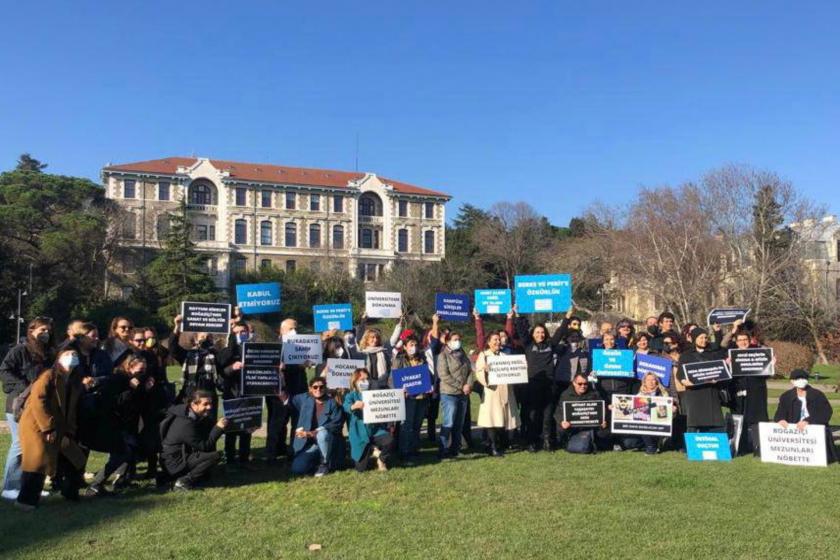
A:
x: 507, y: 370
x: 613, y: 363
x: 253, y: 299
x: 700, y: 373
x: 709, y: 446
x: 261, y: 368
x: 243, y: 414
x: 453, y: 307
x: 339, y: 371
x: 334, y: 316
x: 641, y: 415
x: 302, y: 348
x: 205, y: 317
x: 492, y: 302
x: 752, y: 361
x: 415, y: 380
x: 726, y: 316
x: 383, y: 405
x: 789, y: 446
x: 584, y: 414
x: 545, y: 293
x: 657, y: 365
x: 383, y: 305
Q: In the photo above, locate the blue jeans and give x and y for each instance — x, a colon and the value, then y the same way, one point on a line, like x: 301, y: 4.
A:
x: 308, y: 459
x: 415, y: 412
x: 454, y: 409
x: 14, y: 460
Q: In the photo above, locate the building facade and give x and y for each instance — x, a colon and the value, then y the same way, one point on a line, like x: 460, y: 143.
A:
x: 245, y: 216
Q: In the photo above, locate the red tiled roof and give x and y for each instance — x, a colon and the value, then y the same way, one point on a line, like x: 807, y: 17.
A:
x: 267, y: 173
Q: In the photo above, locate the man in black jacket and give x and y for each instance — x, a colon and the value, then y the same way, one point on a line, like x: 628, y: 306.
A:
x: 189, y: 440
x: 580, y: 440
x: 702, y: 402
x: 816, y: 409
x: 230, y: 364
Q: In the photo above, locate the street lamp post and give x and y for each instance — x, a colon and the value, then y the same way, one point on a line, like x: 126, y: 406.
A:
x: 17, y: 317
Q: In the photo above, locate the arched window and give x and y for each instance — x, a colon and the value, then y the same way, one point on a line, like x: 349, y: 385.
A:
x: 370, y: 205
x: 240, y: 232
x: 291, y: 234
x: 402, y: 241
x: 429, y: 242
x: 200, y: 193
x: 265, y: 233
x: 314, y: 235
x: 338, y: 237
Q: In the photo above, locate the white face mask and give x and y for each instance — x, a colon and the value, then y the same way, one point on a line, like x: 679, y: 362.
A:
x: 800, y: 383
x: 411, y: 350
x: 363, y: 385
x: 339, y: 352
x: 68, y: 361
x: 289, y: 334
x: 455, y: 345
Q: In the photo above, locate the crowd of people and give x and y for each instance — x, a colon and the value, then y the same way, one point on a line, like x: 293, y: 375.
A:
x: 71, y: 393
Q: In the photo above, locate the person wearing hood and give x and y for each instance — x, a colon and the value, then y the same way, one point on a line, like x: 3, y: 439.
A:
x: 701, y: 403
x: 454, y: 371
x: 199, y: 363
x: 230, y: 362
x: 367, y: 441
x: 20, y: 368
x: 189, y: 438
x: 803, y: 405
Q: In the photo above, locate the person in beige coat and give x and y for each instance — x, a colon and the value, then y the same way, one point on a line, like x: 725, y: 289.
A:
x: 498, y: 411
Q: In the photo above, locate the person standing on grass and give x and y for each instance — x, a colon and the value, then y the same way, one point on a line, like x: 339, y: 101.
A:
x: 578, y: 439
x: 498, y: 412
x: 376, y: 354
x: 21, y: 367
x: 803, y: 405
x: 118, y: 342
x: 454, y: 371
x: 415, y: 405
x: 230, y: 362
x: 199, y: 364
x: 367, y: 441
x: 702, y: 402
x: 319, y: 423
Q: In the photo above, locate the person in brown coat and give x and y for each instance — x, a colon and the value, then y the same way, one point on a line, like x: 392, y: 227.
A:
x: 48, y: 428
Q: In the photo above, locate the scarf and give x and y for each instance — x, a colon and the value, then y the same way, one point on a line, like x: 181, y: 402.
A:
x: 379, y: 367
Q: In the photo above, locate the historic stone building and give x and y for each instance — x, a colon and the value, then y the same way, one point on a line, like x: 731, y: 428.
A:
x: 248, y: 215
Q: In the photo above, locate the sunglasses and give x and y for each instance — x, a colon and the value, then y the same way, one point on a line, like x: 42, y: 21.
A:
x: 318, y: 387
x: 581, y: 384
x: 139, y: 340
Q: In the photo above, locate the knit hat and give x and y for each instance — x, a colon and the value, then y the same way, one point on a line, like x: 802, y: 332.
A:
x: 405, y: 334
x: 697, y: 331
x: 799, y: 374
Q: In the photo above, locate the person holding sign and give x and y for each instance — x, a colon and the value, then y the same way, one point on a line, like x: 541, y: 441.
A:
x: 377, y: 355
x: 651, y: 387
x: 498, y: 412
x: 580, y: 440
x: 454, y: 371
x: 415, y: 406
x: 367, y: 441
x: 230, y: 362
x: 198, y: 363
x: 803, y: 405
x: 701, y: 402
x: 319, y: 423
x: 750, y: 391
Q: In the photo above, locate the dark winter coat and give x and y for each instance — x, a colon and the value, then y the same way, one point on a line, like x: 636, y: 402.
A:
x: 18, y: 369
x: 790, y: 407
x: 182, y: 433
x: 701, y: 403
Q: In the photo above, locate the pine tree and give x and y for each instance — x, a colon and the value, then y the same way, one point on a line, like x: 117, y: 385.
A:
x: 28, y: 163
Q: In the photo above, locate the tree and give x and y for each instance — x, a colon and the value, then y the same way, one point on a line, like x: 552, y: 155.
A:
x: 28, y: 163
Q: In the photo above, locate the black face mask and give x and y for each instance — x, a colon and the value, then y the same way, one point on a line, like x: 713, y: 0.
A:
x: 205, y: 344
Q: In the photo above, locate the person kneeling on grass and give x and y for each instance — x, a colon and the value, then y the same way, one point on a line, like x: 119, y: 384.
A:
x: 189, y: 440
x: 803, y: 405
x: 319, y: 422
x: 580, y: 440
x: 367, y: 441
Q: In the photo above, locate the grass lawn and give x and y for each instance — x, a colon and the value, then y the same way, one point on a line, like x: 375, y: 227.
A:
x: 522, y: 506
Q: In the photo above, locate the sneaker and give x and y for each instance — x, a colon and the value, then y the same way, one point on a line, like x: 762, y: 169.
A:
x: 45, y: 494
x: 183, y: 484
x: 11, y: 495
x: 322, y: 470
x: 617, y: 447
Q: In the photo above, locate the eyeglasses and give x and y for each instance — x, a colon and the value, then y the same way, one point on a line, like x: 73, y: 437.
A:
x: 140, y: 340
x: 318, y: 387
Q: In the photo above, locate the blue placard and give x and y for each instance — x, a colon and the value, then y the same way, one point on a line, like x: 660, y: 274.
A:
x: 253, y: 299
x: 453, y: 307
x: 660, y: 367
x: 333, y: 316
x: 708, y: 446
x: 545, y: 293
x: 612, y: 363
x: 415, y: 380
x: 490, y: 302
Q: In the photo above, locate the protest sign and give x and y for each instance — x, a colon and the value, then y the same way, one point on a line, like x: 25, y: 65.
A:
x: 302, y: 348
x: 612, y: 363
x: 789, y: 446
x: 414, y: 380
x: 751, y: 361
x: 383, y: 305
x: 737, y: 423
x: 544, y: 293
x: 253, y: 299
x: 242, y: 414
x: 725, y: 316
x: 384, y: 405
x: 205, y: 317
x: 261, y: 368
x: 492, y: 302
x: 707, y: 446
x: 339, y: 372
x: 700, y: 373
x: 583, y: 414
x: 507, y: 370
x: 453, y: 307
x: 334, y: 316
x: 641, y: 415
x: 660, y: 367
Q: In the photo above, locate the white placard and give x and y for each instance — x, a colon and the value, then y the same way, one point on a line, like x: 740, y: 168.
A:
x: 789, y: 446
x: 507, y: 370
x: 302, y: 348
x: 384, y: 405
x: 383, y: 305
x: 339, y: 372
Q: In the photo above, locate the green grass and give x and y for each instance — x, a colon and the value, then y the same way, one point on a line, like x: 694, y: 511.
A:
x: 522, y: 506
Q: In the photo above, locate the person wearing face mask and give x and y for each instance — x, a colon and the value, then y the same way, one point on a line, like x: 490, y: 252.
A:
x: 454, y: 371
x: 20, y: 367
x: 367, y: 441
x: 415, y: 406
x: 498, y: 413
x: 199, y: 364
x: 230, y: 362
x: 319, y: 423
x: 701, y: 403
x: 351, y: 344
x: 94, y: 363
x: 334, y: 347
x: 803, y: 405
x: 48, y: 431
x: 158, y: 353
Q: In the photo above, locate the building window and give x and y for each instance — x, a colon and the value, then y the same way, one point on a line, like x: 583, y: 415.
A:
x: 429, y: 242
x: 367, y: 206
x: 163, y: 190
x: 211, y: 233
x: 201, y: 232
x: 265, y: 199
x: 291, y: 234
x: 129, y: 226
x: 129, y: 189
x: 241, y: 196
x: 162, y: 226
x: 265, y: 233
x: 367, y: 272
x: 239, y: 264
x: 338, y: 237
x: 265, y: 264
x: 240, y: 232
x: 213, y: 266
x: 402, y: 241
x: 314, y: 235
x: 315, y: 203
x: 291, y: 266
x: 338, y: 203
x: 430, y: 210
x: 290, y: 201
x: 200, y: 195
x: 403, y: 208
x: 366, y: 238
x: 838, y: 251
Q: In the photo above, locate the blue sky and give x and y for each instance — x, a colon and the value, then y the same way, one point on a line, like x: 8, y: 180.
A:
x: 556, y: 103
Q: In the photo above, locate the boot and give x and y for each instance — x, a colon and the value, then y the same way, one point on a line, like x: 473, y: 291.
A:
x: 495, y: 448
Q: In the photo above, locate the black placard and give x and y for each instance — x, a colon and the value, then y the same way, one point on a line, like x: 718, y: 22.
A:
x: 751, y: 361
x: 726, y: 316
x: 260, y: 373
x: 205, y: 317
x: 583, y: 414
x: 700, y: 373
x: 243, y: 414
